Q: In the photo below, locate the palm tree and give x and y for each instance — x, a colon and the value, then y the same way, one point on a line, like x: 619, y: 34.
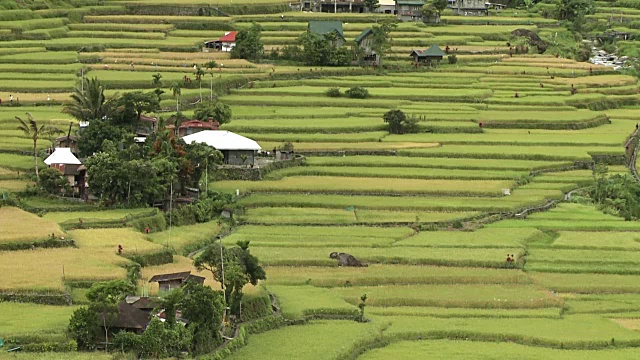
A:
x: 177, y: 91
x: 211, y: 65
x: 157, y: 82
x: 199, y: 73
x: 89, y: 104
x: 31, y: 129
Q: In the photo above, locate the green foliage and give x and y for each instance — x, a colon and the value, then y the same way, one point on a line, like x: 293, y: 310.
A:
x: 248, y: 44
x: 203, y: 307
x: 53, y: 182
x: 323, y: 50
x: 357, y: 92
x: 202, y: 210
x: 399, y: 123
x: 380, y: 37
x: 618, y: 194
x: 218, y: 111
x: 453, y: 59
x: 240, y: 268
x: 84, y: 328
x: 90, y: 104
x: 127, y: 109
x: 31, y: 129
x: 94, y: 135
x: 333, y: 92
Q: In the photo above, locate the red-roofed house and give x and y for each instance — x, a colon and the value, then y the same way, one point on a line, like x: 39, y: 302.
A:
x: 224, y: 43
x: 193, y: 126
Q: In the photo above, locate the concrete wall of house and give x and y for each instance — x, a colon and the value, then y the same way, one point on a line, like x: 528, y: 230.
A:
x: 386, y: 9
x: 470, y: 8
x: 409, y: 12
x: 234, y: 157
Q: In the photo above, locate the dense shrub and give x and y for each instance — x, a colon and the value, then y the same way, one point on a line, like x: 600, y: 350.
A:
x: 333, y: 92
x: 357, y: 92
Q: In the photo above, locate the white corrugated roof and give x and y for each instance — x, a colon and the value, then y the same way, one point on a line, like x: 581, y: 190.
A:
x: 222, y: 140
x: 387, y: 2
x: 62, y: 156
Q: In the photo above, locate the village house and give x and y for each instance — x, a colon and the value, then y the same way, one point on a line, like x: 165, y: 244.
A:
x: 333, y: 6
x: 146, y: 125
x: 409, y: 10
x: 470, y: 7
x: 330, y: 28
x: 71, y: 168
x: 364, y: 42
x: 194, y: 126
x: 236, y: 149
x: 168, y: 282
x: 129, y: 319
x: 433, y: 55
x: 225, y: 43
x: 386, y: 7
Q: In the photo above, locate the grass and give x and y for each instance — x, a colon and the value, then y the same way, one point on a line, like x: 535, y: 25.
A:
x: 20, y: 319
x: 106, y: 241
x: 590, y: 240
x: 460, y: 349
x: 275, y: 215
x: 13, y: 220
x: 377, y: 275
x: 588, y: 283
x: 354, y: 185
x: 60, y: 217
x: 296, y: 301
x: 508, y: 238
x: 183, y: 236
x: 317, y: 340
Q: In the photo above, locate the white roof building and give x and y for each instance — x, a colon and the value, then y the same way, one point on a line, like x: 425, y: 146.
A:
x: 222, y: 140
x: 62, y: 156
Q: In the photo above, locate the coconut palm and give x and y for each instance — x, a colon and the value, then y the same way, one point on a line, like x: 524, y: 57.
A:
x: 89, y: 104
x: 211, y: 65
x: 157, y: 80
x: 31, y: 129
x: 177, y: 91
x: 199, y: 73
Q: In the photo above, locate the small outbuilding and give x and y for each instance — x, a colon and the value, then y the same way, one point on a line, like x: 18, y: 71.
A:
x: 63, y: 160
x: 328, y: 29
x: 365, y: 42
x: 168, y: 282
x: 433, y: 55
x: 129, y: 319
x: 236, y: 149
x: 470, y: 7
x: 386, y: 7
x: 225, y: 43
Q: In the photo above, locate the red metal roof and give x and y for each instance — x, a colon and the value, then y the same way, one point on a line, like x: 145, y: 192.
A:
x: 230, y: 37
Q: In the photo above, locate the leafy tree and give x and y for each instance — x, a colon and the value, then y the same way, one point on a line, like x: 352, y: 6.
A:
x: 322, y: 50
x: 34, y: 131
x: 199, y: 73
x: 439, y: 6
x: 240, y: 268
x: 84, y: 328
x: 249, y: 44
x: 333, y: 92
x: 104, y: 298
x: 399, y: 123
x: 53, y: 182
x: 160, y: 341
x: 617, y: 194
x: 89, y: 104
x: 203, y: 307
x: 380, y: 38
x: 200, y: 158
x: 218, y: 111
x: 453, y: 59
x: 575, y: 11
x: 131, y: 105
x: 94, y: 135
x: 362, y: 305
x: 169, y: 302
x: 371, y: 5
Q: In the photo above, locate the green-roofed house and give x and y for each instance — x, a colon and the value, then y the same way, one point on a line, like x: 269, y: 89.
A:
x: 365, y: 42
x: 409, y: 10
x: 328, y: 30
x: 433, y: 55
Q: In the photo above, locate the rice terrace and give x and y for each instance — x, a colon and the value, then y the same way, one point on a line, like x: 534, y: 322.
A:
x: 340, y: 179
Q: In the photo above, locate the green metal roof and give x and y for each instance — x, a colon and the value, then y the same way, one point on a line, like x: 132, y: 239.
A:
x: 434, y: 50
x: 325, y: 27
x: 363, y: 35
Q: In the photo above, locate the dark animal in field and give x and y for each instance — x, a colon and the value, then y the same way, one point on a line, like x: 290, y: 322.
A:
x: 345, y: 259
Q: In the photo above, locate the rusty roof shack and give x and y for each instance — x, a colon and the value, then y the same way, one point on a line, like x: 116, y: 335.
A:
x: 168, y: 282
x: 431, y: 56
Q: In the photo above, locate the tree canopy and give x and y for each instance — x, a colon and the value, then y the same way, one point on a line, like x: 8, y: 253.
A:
x: 249, y: 44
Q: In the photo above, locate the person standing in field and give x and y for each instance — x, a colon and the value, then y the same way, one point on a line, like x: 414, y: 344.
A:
x: 10, y: 100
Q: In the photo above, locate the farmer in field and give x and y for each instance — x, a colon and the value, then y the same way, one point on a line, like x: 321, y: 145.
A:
x: 10, y: 100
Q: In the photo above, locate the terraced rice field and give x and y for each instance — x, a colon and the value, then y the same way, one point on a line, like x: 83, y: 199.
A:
x: 432, y: 214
